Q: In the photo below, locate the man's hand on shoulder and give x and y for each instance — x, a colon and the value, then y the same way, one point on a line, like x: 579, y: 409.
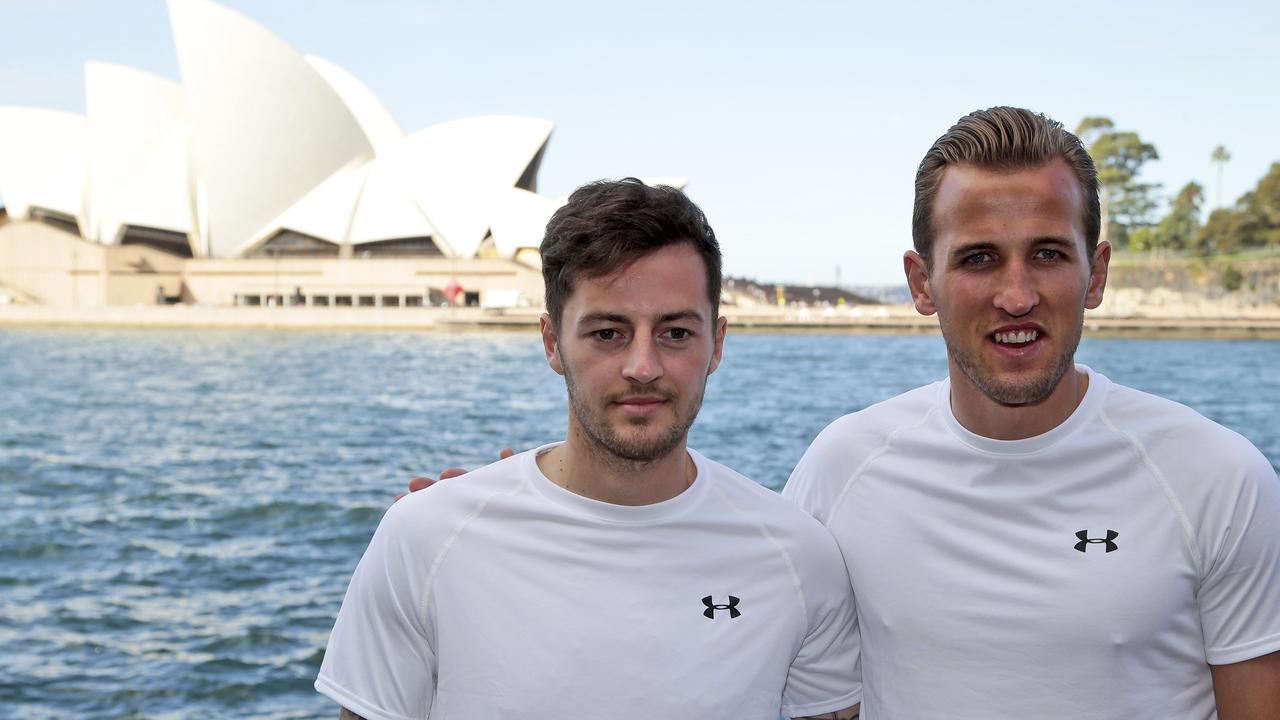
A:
x: 846, y: 714
x: 423, y: 482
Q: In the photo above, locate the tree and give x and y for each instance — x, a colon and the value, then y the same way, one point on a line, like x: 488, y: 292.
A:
x: 1253, y: 222
x: 1231, y: 278
x: 1264, y: 207
x: 1220, y: 158
x: 1220, y: 234
x: 1178, y: 229
x: 1142, y: 239
x: 1119, y: 156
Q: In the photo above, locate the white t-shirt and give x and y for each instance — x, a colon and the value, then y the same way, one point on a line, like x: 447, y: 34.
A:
x: 1092, y: 571
x: 503, y: 595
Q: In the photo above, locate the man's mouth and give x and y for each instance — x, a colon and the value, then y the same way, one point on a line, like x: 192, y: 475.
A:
x: 1015, y: 337
x: 642, y: 400
x: 641, y: 405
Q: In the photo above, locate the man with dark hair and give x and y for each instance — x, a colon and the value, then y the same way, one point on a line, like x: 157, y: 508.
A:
x: 1026, y: 538
x: 617, y: 574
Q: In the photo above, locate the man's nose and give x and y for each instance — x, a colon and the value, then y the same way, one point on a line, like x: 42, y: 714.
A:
x: 1017, y: 293
x: 643, y: 363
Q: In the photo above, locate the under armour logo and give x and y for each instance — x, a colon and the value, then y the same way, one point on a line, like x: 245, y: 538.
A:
x: 1085, y: 540
x: 732, y: 607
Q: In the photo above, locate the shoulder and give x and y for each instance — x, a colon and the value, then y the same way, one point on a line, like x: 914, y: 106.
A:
x: 848, y: 438
x: 1214, y: 475
x: 1172, y: 436
x: 847, y: 444
x: 429, y: 516
x: 877, y: 421
x: 795, y: 532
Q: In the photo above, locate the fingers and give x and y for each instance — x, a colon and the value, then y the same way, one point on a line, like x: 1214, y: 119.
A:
x: 422, y: 483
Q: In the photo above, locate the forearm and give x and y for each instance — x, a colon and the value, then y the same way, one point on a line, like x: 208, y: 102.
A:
x: 348, y: 715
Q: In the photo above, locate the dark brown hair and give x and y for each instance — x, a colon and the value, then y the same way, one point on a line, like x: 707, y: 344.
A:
x: 1002, y: 138
x: 608, y: 224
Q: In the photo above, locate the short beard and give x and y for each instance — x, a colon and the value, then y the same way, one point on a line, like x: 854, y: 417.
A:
x: 1029, y: 392
x: 616, y: 449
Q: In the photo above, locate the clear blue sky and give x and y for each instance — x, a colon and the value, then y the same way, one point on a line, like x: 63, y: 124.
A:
x: 798, y: 124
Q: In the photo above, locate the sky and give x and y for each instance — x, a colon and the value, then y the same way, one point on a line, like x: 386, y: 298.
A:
x: 799, y: 125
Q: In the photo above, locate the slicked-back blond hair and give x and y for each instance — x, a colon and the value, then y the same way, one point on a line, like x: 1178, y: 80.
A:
x: 1002, y: 138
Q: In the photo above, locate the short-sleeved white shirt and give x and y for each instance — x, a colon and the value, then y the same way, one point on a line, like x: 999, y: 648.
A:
x: 503, y: 595
x: 1092, y: 571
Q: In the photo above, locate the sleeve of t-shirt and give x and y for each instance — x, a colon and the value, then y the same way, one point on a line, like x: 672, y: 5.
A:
x: 1240, y: 546
x: 824, y: 470
x: 379, y: 662
x: 825, y: 675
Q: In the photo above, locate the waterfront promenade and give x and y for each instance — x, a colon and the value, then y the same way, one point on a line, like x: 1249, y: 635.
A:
x: 853, y: 320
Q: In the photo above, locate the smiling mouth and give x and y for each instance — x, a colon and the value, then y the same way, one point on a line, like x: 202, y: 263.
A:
x: 1015, y: 337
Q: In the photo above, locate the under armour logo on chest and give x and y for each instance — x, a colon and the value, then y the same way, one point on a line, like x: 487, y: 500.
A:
x: 712, y: 607
x: 1085, y: 540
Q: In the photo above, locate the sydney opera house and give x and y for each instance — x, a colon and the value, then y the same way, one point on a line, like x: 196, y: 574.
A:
x: 167, y: 192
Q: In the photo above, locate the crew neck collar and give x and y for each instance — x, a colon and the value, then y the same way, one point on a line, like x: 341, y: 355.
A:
x: 1084, y: 411
x: 627, y: 514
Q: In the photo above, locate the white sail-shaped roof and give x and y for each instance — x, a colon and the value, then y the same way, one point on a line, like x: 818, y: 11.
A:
x: 42, y: 161
x: 387, y: 207
x: 367, y: 203
x: 323, y: 213
x: 467, y: 168
x: 381, y: 129
x: 266, y: 128
x: 137, y: 152
x: 520, y: 220
x: 261, y: 139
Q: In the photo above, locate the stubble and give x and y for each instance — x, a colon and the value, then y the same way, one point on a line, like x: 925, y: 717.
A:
x: 616, y: 446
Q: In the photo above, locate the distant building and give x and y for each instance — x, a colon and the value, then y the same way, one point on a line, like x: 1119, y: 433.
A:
x: 266, y: 176
x: 747, y: 292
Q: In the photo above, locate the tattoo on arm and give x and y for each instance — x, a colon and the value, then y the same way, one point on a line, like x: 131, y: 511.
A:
x: 348, y: 715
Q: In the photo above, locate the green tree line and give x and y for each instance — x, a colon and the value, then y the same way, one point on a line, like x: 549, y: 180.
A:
x: 1130, y: 205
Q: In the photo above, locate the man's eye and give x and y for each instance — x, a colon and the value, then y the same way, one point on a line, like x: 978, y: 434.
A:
x: 679, y: 333
x: 977, y: 258
x: 1048, y: 254
x: 606, y: 334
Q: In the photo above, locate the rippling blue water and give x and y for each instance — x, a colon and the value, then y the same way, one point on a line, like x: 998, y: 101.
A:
x: 180, y: 511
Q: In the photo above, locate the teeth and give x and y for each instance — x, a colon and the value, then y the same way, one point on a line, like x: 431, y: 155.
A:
x: 1019, y: 337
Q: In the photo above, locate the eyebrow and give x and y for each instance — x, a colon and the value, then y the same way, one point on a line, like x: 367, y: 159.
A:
x: 983, y: 246
x: 608, y: 317
x: 1052, y: 240
x: 971, y: 247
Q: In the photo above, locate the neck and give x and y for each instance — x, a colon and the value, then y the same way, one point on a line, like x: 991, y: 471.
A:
x: 981, y: 415
x: 583, y: 468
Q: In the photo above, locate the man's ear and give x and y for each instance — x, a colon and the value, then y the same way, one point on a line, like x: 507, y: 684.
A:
x: 550, y: 342
x: 917, y: 271
x: 1098, y: 275
x: 722, y: 324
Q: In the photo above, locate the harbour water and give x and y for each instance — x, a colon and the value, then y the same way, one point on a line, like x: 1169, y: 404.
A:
x: 180, y: 511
